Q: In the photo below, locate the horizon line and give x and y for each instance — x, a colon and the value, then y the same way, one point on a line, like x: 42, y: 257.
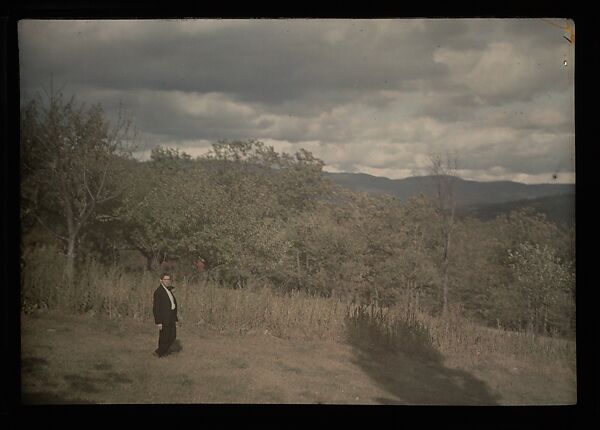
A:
x: 457, y: 176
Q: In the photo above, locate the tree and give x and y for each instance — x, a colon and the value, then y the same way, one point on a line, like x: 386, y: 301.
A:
x: 445, y: 176
x: 162, y: 197
x: 482, y: 276
x: 547, y: 283
x: 328, y: 250
x: 294, y: 182
x: 481, y: 280
x: 227, y: 207
x: 69, y: 160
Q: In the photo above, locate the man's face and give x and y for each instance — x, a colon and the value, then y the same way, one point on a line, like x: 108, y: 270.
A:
x: 166, y: 280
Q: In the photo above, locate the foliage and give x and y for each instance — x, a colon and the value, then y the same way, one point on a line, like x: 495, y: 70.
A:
x: 547, y: 284
x: 260, y: 217
x: 228, y: 207
x: 69, y: 160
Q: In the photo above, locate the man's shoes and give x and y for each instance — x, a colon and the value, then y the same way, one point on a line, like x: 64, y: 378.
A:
x: 156, y: 354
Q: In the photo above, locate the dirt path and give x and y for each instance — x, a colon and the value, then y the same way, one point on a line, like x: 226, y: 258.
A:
x: 82, y: 359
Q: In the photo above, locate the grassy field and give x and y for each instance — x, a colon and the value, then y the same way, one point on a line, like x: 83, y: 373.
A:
x: 94, y: 359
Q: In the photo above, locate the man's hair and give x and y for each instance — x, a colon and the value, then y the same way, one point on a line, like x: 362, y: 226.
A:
x: 162, y: 276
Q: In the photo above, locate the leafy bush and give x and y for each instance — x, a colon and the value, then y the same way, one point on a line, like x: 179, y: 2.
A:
x: 546, y: 282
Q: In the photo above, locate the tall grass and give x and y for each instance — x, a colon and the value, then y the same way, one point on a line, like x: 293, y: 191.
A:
x: 407, y: 328
x: 96, y: 289
x: 112, y: 292
x: 258, y: 307
x: 117, y: 294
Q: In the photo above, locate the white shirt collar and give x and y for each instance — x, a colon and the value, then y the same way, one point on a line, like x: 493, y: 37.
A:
x: 170, y: 295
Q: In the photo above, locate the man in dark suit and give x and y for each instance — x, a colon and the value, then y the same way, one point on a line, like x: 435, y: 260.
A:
x: 164, y: 307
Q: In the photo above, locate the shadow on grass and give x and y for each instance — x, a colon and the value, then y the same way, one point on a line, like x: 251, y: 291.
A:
x: 30, y: 364
x: 176, y: 347
x: 96, y: 384
x: 35, y: 368
x: 46, y: 398
x: 412, y: 371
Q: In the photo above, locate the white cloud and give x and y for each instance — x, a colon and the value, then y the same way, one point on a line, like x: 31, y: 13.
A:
x: 391, y: 173
x: 525, y: 178
x: 547, y: 117
x: 459, y: 63
x: 206, y: 26
x: 291, y: 147
x: 208, y: 105
x: 194, y: 148
x: 506, y: 70
x: 422, y: 161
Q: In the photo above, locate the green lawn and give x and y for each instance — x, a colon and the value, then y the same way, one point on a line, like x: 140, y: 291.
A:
x: 85, y: 359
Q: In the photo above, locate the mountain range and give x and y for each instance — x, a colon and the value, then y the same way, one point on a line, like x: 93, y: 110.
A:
x: 480, y: 199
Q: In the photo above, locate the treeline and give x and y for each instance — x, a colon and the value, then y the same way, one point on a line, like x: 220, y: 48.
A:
x: 264, y: 218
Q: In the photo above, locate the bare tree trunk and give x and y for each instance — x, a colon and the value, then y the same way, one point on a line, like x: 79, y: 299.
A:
x: 73, y: 227
x: 71, y: 240
x: 298, y: 267
x: 445, y: 275
x: 447, y: 249
x: 446, y: 205
x: 70, y: 267
x: 151, y: 261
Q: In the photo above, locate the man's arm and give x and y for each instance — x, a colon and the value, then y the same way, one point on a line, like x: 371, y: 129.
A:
x: 176, y: 308
x: 156, y: 310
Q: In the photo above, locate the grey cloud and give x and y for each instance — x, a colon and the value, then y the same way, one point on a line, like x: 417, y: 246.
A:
x: 271, y: 61
x: 523, y: 156
x: 334, y: 81
x: 268, y: 61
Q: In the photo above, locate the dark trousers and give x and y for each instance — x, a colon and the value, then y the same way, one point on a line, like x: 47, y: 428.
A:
x: 166, y: 337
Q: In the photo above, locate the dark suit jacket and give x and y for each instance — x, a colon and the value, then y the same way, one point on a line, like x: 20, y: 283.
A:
x: 161, y: 307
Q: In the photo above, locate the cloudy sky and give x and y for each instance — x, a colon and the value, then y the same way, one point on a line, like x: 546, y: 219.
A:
x: 370, y: 96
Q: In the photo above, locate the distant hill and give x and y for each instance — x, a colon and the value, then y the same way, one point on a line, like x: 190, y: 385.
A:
x: 481, y: 199
x: 559, y: 209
